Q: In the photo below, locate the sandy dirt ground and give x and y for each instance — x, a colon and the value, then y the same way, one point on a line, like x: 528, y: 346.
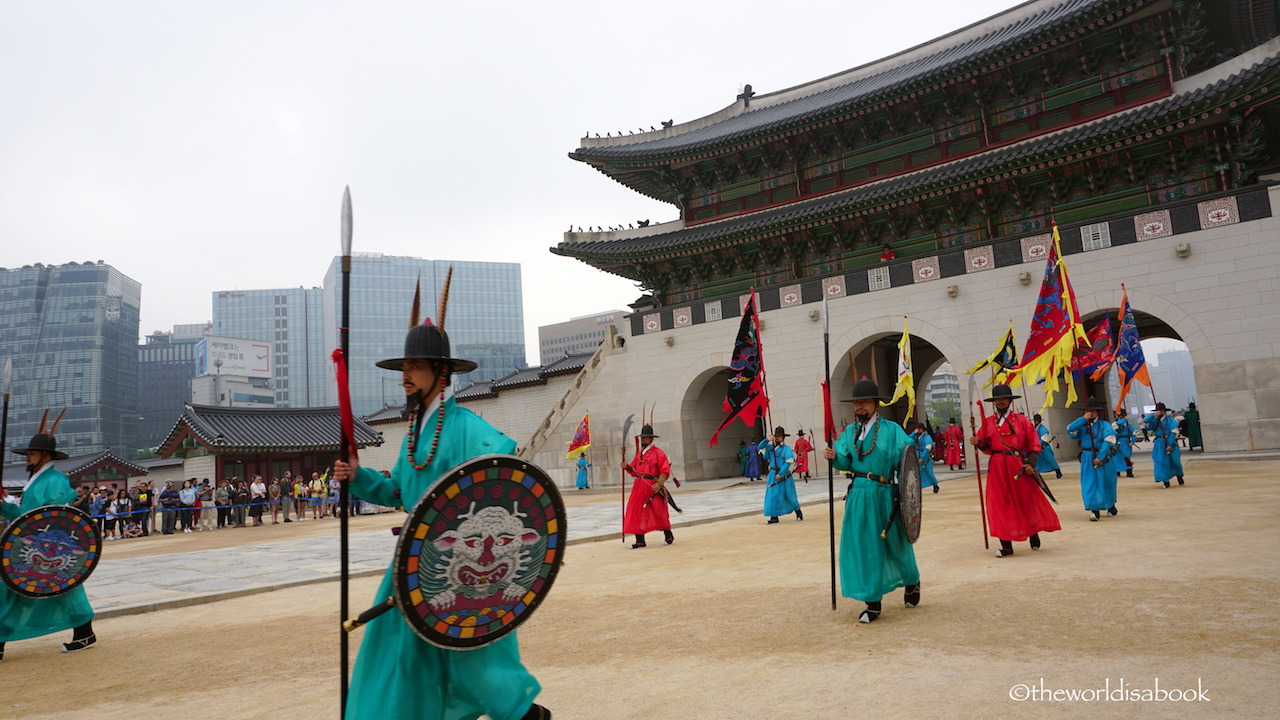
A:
x: 734, y: 621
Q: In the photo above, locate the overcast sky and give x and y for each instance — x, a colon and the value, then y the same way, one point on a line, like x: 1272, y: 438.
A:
x: 205, y: 146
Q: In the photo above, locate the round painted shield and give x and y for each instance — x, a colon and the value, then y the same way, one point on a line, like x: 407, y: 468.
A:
x: 479, y: 552
x: 909, y: 497
x: 49, y: 551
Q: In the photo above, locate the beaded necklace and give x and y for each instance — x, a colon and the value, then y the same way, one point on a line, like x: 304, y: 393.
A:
x: 435, y: 438
x: 857, y: 441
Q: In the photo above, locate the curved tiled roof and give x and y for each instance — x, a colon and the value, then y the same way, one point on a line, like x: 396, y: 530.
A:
x: 1022, y: 154
x: 227, y: 430
x: 802, y: 105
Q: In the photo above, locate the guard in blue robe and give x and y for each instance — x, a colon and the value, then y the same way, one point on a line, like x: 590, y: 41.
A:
x: 753, y: 460
x: 780, y: 492
x: 581, y: 481
x: 1124, y: 445
x: 1047, y: 460
x: 870, y: 450
x: 1165, y: 454
x: 924, y: 452
x: 398, y: 675
x: 23, y: 617
x: 1097, y: 455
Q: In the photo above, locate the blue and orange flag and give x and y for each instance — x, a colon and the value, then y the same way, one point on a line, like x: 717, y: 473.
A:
x: 1056, y: 330
x: 745, y: 398
x: 581, y: 437
x: 1130, y: 363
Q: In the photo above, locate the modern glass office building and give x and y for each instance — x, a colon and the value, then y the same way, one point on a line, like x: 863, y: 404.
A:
x: 485, y: 319
x: 166, y: 364
x: 72, y: 333
x: 292, y: 320
x: 485, y: 322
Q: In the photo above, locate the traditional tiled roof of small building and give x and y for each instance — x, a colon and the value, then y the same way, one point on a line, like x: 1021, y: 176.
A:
x: 230, y: 430
x: 964, y: 50
x: 1040, y: 149
x: 571, y: 363
x: 76, y: 465
x: 389, y: 414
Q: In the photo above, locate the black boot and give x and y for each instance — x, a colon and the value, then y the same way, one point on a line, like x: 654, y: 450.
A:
x: 639, y: 543
x: 911, y: 596
x: 1129, y: 473
x: 1166, y: 484
x: 1, y: 651
x: 935, y: 488
x: 870, y: 613
x: 1006, y: 549
x: 1112, y: 511
x: 81, y: 638
x: 772, y: 520
x: 1059, y: 474
x: 1035, y: 541
x: 799, y: 514
x: 536, y: 712
x: 668, y: 536
x: 1180, y: 480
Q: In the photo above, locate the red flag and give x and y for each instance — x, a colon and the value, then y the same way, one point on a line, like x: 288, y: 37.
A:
x: 581, y: 437
x: 1099, y: 351
x: 345, y: 415
x: 1055, y: 328
x: 745, y: 399
x: 828, y: 423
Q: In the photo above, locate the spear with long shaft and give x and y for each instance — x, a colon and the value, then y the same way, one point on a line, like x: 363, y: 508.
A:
x: 977, y: 460
x: 829, y: 432
x: 344, y: 495
x: 4, y: 423
x: 626, y: 428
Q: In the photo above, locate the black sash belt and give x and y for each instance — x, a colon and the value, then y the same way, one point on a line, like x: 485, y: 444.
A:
x: 874, y: 477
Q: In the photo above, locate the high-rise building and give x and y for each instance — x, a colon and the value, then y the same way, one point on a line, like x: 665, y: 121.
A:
x: 72, y: 332
x: 292, y: 321
x: 166, y: 365
x: 485, y: 322
x: 485, y: 319
x: 578, y: 335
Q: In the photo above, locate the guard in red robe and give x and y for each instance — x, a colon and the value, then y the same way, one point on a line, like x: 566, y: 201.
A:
x: 953, y: 439
x: 802, y: 449
x: 647, y: 506
x: 1016, y: 508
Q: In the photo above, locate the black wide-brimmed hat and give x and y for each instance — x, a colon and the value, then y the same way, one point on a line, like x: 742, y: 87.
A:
x: 1001, y: 392
x: 865, y: 389
x: 646, y: 431
x: 952, y: 421
x: 428, y: 342
x: 800, y: 432
x: 42, y: 442
x: 1094, y: 403
x: 1160, y: 406
x: 781, y: 431
x: 1037, y: 417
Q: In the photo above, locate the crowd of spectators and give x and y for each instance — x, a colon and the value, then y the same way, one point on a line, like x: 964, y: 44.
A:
x: 197, y: 506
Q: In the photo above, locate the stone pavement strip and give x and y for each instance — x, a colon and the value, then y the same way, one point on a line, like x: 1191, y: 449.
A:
x: 135, y: 585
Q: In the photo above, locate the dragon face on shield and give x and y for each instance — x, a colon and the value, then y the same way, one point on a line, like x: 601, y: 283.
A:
x: 50, y: 554
x: 488, y: 553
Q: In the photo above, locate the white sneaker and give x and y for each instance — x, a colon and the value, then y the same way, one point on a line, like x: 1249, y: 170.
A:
x: 187, y: 530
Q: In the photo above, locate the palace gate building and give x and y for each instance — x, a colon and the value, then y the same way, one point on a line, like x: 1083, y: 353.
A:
x: 1149, y: 130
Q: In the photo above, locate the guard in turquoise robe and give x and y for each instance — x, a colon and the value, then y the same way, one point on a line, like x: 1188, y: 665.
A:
x: 23, y: 617
x: 1194, y: 437
x: 581, y: 481
x: 1097, y: 466
x: 1124, y: 445
x: 870, y: 566
x: 743, y: 452
x: 923, y: 443
x: 398, y: 675
x: 1165, y: 453
x: 780, y: 491
x: 1047, y: 462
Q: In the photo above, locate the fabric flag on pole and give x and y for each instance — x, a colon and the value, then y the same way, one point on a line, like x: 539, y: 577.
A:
x: 1130, y: 363
x: 745, y: 399
x: 581, y: 437
x: 1055, y: 330
x: 345, y: 414
x: 1100, y: 350
x: 906, y: 386
x: 1005, y: 357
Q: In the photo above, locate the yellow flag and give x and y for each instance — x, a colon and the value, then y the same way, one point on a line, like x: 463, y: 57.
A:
x: 906, y: 380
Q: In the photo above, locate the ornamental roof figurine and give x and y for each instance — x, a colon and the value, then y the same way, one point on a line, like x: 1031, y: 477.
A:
x: 865, y: 389
x: 43, y: 440
x: 427, y: 341
x: 1001, y: 392
x: 647, y: 431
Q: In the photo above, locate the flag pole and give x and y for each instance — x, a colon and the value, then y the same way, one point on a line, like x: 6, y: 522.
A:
x: 344, y: 493
x: 4, y: 423
x: 764, y: 376
x: 828, y: 432
x: 977, y: 459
